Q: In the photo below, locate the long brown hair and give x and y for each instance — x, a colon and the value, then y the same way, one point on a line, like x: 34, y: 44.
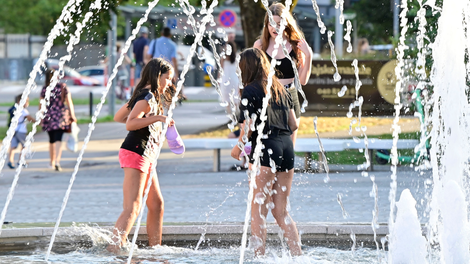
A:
x: 255, y: 68
x: 292, y: 31
x: 150, y: 76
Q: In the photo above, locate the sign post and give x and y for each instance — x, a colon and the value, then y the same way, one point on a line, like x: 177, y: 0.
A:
x: 227, y: 18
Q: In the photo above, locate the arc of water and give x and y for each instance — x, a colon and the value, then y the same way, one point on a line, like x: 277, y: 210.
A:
x: 212, y: 210
x: 189, y: 12
x: 395, y: 127
x: 74, y: 39
x: 340, y: 4
x: 322, y: 150
x: 336, y: 75
x: 202, y: 27
x: 40, y: 115
x: 347, y: 37
x: 321, y: 25
x: 67, y: 12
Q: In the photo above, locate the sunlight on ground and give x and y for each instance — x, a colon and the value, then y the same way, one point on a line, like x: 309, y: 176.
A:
x: 324, y: 124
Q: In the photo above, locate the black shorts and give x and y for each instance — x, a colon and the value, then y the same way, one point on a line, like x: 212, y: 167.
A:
x: 282, y: 152
x: 295, y: 99
x: 55, y: 135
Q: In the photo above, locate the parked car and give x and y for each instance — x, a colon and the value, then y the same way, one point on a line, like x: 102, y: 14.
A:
x: 72, y: 77
x: 95, y: 72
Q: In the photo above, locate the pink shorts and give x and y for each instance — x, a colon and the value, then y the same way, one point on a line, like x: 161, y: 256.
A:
x: 129, y: 159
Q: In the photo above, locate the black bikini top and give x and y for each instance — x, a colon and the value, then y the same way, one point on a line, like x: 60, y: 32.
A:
x: 284, y: 69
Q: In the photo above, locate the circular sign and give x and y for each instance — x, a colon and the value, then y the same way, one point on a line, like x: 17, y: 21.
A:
x: 227, y: 18
x: 386, y: 81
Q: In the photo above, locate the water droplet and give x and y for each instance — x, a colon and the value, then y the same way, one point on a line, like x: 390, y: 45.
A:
x: 364, y: 174
x: 270, y: 151
x: 349, y: 114
x: 336, y: 77
x: 283, y: 188
x: 356, y: 139
x: 244, y: 101
x: 343, y: 91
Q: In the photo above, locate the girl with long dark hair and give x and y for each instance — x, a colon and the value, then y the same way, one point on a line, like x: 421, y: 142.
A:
x: 143, y: 116
x: 274, y: 180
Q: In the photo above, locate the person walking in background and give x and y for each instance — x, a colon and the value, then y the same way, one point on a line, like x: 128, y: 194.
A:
x: 140, y: 49
x: 298, y: 48
x: 59, y: 116
x: 230, y: 78
x: 143, y: 116
x: 20, y: 131
x: 274, y: 181
x: 163, y: 47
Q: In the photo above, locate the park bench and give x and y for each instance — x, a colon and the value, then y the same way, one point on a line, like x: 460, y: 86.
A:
x: 306, y: 145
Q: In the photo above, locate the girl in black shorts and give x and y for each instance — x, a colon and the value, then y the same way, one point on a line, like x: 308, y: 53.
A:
x: 274, y: 181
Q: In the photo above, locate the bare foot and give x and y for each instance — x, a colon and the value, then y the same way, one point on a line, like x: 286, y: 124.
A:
x: 113, y: 248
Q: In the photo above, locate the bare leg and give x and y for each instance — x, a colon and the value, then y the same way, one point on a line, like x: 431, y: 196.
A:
x: 11, y: 155
x: 133, y: 187
x: 259, y: 209
x: 283, y: 219
x: 52, y: 155
x: 58, y: 152
x: 155, y: 206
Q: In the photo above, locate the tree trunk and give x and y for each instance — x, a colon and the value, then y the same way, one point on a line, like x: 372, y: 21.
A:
x: 252, y: 18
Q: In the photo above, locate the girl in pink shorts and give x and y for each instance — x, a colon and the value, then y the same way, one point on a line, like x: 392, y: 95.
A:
x: 143, y: 116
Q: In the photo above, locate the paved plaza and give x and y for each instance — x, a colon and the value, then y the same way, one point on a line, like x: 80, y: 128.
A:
x: 192, y: 192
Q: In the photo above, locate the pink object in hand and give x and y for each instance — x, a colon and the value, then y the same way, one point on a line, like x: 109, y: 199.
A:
x: 247, y: 150
x: 174, y: 140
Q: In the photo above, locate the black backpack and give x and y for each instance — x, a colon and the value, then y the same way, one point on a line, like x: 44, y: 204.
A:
x: 11, y: 113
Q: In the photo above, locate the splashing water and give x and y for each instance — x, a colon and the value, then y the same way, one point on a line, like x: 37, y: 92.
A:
x: 340, y: 4
x: 74, y: 39
x: 208, y: 18
x: 321, y: 25
x: 347, y: 37
x: 96, y: 113
x: 394, y: 154
x: 336, y: 75
x: 322, y: 150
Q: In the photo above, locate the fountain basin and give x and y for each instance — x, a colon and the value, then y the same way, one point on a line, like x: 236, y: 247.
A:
x: 333, y: 235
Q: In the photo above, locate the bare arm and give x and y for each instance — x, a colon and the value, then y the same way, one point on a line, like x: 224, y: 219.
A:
x: 136, y: 119
x: 175, y: 68
x: 71, y: 108
x: 306, y: 63
x: 30, y: 118
x: 257, y: 44
x: 291, y: 121
x: 122, y: 114
x: 236, y: 151
x: 147, y: 55
x: 144, y: 55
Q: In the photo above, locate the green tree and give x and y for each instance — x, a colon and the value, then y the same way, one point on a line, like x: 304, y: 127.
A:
x: 374, y: 20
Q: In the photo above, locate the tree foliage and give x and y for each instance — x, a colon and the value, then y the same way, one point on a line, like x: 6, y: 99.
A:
x: 374, y: 20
